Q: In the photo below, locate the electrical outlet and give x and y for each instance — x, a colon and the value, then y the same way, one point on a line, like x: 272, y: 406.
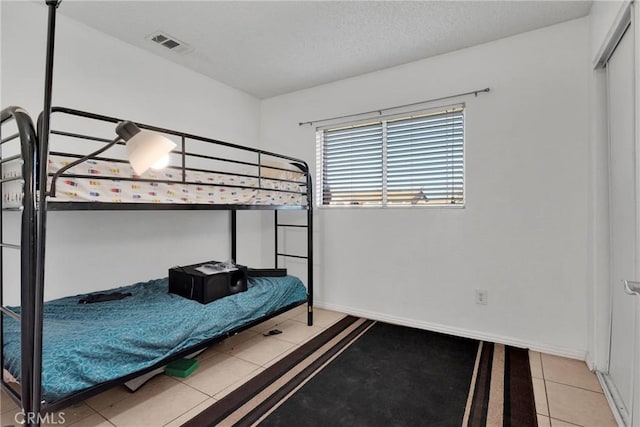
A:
x: 482, y: 296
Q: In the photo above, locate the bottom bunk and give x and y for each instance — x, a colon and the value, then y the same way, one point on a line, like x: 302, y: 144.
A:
x: 88, y: 346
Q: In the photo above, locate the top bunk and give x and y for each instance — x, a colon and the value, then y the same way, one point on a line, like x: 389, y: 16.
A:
x: 202, y: 174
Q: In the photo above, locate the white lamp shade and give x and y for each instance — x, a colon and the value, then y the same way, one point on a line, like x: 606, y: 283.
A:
x: 146, y: 149
x: 162, y: 163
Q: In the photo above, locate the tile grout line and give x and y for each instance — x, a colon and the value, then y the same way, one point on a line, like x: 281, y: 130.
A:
x: 304, y: 340
x: 96, y: 413
x: 233, y: 386
x: 271, y: 362
x: 86, y: 402
x: 220, y: 391
x: 196, y: 389
x: 544, y: 383
x: 574, y: 386
x: 193, y: 407
x: 565, y: 421
x: 547, y: 396
x: 262, y: 365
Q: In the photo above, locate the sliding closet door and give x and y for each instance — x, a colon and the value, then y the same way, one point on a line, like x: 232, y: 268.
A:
x: 624, y: 223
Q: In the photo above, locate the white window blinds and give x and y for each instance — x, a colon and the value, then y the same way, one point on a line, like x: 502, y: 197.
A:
x: 416, y: 160
x: 352, y: 165
x: 425, y: 159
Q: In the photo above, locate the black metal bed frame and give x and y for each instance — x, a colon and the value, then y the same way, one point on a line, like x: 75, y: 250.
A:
x: 35, y: 205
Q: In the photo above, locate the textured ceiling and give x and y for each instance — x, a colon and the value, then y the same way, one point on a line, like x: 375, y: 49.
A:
x: 267, y: 48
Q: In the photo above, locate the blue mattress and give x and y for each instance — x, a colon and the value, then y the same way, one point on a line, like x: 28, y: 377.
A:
x: 88, y: 344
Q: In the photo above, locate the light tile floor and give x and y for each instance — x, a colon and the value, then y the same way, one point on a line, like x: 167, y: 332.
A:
x: 566, y: 393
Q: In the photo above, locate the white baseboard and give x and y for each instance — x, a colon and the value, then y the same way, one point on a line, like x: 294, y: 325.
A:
x: 571, y: 353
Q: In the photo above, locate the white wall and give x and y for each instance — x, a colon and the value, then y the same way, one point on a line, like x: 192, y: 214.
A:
x: 95, y: 72
x: 523, y: 233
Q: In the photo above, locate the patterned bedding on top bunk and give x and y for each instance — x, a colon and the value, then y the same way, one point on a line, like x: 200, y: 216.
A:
x: 263, y: 192
x: 88, y: 344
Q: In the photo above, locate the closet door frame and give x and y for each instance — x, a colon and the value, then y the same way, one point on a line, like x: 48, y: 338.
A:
x: 635, y: 9
x: 602, y: 310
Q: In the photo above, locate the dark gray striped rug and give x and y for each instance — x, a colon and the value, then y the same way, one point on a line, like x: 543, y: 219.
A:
x: 365, y: 373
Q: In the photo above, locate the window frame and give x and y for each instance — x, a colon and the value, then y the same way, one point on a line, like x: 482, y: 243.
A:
x: 319, y: 132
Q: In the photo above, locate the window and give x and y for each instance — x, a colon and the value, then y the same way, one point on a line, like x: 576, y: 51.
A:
x: 401, y: 161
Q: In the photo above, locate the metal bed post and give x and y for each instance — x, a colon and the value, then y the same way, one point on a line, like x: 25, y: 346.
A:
x: 28, y: 152
x: 183, y: 158
x: 234, y: 236
x: 309, y: 246
x: 1, y: 271
x: 42, y: 165
x: 28, y: 268
x: 275, y: 239
x: 309, y: 257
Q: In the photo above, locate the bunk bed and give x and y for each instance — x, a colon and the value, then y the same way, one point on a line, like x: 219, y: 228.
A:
x: 204, y: 174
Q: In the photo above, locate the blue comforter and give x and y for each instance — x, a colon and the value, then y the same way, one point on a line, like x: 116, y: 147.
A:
x: 87, y: 344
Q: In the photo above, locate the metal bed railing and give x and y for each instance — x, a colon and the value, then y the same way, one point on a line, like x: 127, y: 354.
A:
x: 34, y: 152
x: 185, y: 165
x: 28, y: 395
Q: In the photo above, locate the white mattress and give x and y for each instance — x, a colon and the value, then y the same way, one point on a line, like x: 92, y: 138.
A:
x: 113, y: 190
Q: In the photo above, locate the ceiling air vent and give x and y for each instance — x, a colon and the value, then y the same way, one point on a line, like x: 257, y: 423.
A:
x: 169, y: 42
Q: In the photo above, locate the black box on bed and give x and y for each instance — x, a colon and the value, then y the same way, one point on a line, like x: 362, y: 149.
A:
x: 202, y: 284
